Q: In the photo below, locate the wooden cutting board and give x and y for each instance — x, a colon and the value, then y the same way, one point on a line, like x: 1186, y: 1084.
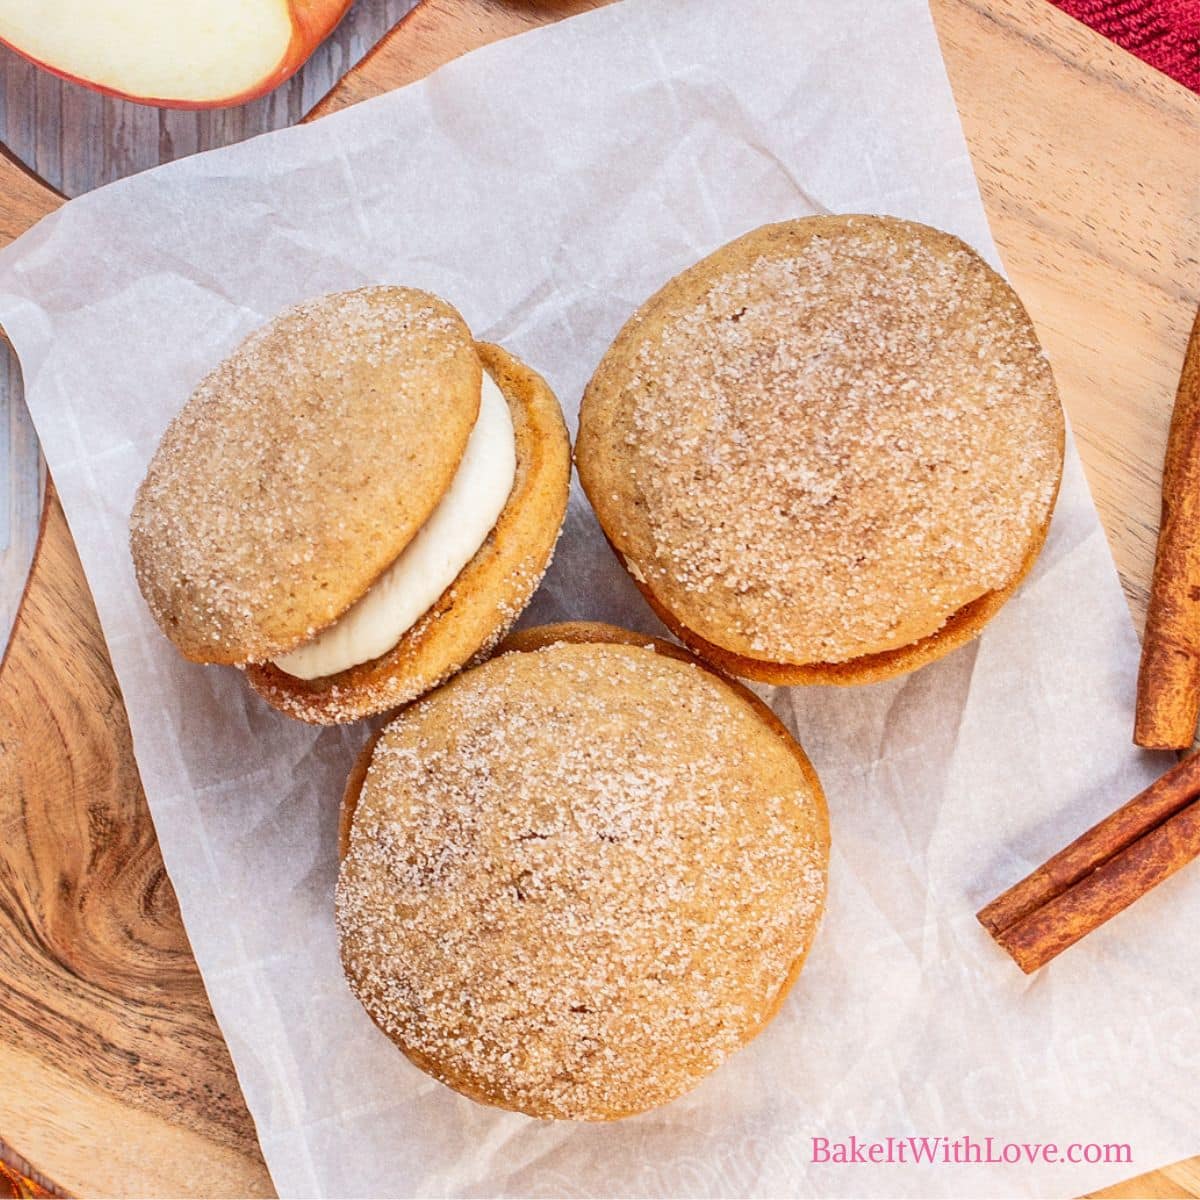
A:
x: 113, y: 1076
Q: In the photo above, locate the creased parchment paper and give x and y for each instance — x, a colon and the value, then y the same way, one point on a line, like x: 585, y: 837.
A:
x: 546, y: 186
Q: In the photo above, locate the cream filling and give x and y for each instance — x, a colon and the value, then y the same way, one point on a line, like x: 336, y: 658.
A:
x: 431, y: 562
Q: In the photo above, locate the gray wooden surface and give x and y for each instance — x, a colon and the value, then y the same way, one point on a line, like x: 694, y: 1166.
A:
x: 76, y: 140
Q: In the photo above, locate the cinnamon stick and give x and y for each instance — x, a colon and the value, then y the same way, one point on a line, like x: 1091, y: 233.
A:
x: 1168, y: 694
x: 1102, y: 872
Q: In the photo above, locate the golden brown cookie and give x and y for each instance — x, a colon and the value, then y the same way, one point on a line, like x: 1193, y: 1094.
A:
x: 828, y: 452
x: 300, y: 468
x: 577, y: 877
x: 491, y: 591
x: 305, y: 464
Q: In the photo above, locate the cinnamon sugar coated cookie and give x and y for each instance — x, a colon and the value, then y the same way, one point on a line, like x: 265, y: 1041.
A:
x: 273, y: 525
x: 300, y: 467
x: 828, y: 452
x: 578, y: 877
x: 488, y: 594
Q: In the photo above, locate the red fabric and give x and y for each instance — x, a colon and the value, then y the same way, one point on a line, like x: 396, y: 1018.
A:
x: 1164, y: 33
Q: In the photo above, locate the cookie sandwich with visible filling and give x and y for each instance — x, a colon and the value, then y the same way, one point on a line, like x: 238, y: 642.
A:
x: 827, y: 453
x: 353, y: 505
x: 578, y: 877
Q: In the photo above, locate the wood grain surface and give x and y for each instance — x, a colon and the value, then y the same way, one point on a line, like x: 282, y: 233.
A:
x: 113, y: 1077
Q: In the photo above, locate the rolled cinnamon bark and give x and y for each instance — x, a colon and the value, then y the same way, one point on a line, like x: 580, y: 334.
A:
x: 1168, y: 694
x: 1166, y: 796
x: 1102, y: 872
x: 1098, y: 897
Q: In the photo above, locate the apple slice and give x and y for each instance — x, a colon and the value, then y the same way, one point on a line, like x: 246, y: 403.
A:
x: 175, y: 53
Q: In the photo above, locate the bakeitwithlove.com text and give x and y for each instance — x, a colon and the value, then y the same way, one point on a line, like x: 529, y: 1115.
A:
x: 914, y: 1150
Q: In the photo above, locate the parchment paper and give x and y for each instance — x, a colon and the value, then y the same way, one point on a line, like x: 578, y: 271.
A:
x: 546, y: 186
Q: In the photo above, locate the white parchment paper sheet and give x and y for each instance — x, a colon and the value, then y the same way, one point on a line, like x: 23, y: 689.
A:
x: 546, y: 186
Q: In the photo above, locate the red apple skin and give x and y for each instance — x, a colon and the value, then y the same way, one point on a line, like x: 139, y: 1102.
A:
x: 312, y: 22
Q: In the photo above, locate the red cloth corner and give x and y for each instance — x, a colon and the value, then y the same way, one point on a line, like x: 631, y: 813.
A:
x: 1164, y: 33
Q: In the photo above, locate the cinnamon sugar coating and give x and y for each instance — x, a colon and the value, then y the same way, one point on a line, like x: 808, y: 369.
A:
x: 581, y: 875
x: 300, y: 468
x: 487, y: 595
x: 828, y: 451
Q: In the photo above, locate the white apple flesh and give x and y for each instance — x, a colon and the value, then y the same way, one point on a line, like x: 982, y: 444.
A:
x: 185, y: 53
